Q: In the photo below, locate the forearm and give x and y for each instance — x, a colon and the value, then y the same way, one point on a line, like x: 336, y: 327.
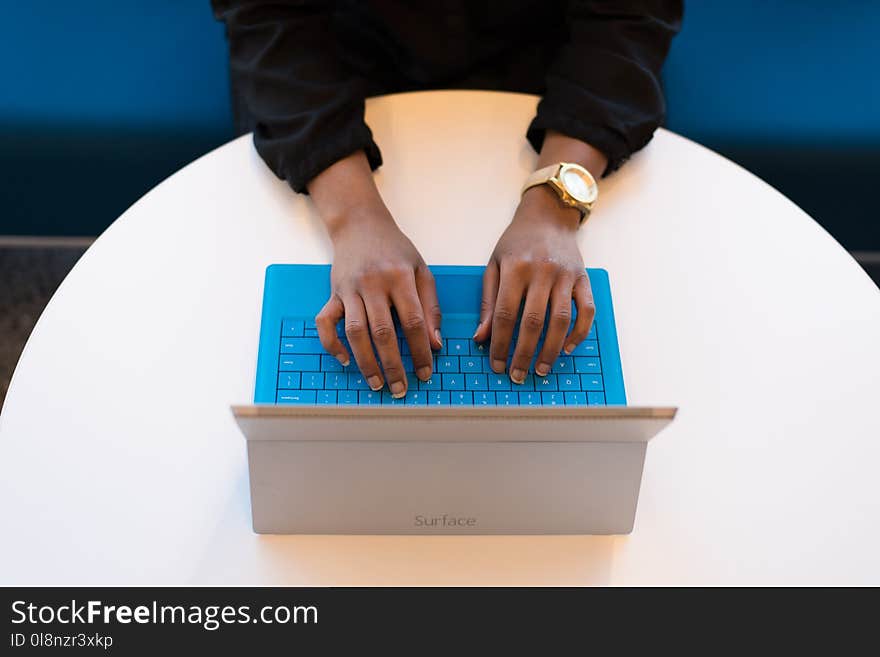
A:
x: 560, y: 148
x: 345, y: 193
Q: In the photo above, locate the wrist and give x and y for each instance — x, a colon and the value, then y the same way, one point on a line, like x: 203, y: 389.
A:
x: 373, y: 217
x: 540, y: 205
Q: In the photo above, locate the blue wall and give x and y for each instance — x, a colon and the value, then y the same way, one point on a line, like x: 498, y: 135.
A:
x: 798, y: 71
x: 101, y: 100
x: 128, y: 63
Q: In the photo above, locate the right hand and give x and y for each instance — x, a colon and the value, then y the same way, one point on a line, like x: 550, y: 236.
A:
x: 376, y: 268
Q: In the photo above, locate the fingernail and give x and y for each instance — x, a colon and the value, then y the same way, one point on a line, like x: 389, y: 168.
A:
x: 375, y: 383
x: 569, y: 348
x: 345, y: 360
x: 541, y: 369
x: 477, y: 330
x: 398, y: 390
x: 517, y: 375
x: 424, y: 373
x: 438, y: 336
x: 498, y: 366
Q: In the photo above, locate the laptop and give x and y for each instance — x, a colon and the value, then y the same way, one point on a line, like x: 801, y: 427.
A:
x: 467, y: 452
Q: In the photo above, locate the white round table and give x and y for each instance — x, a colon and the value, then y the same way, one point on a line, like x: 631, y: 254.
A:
x: 120, y: 462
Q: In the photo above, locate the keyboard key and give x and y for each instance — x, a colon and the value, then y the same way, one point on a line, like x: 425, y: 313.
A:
x: 530, y: 399
x: 586, y: 348
x: 564, y: 365
x: 543, y: 383
x: 356, y: 381
x: 336, y: 380
x: 596, y: 398
x: 587, y: 365
x: 369, y: 397
x: 470, y: 364
x: 301, y: 346
x: 292, y: 328
x: 328, y: 364
x: 476, y: 382
x: 326, y: 397
x: 575, y: 398
x: 527, y: 384
x: 311, y: 332
x: 438, y: 398
x: 431, y: 384
x: 296, y: 397
x: 458, y: 347
x: 288, y: 380
x: 404, y: 348
x: 593, y: 334
x: 461, y: 398
x: 507, y: 398
x: 347, y: 397
x: 310, y: 322
x: 312, y: 380
x: 484, y: 398
x: 407, y: 364
x: 568, y: 381
x: 479, y: 349
x: 499, y: 382
x: 299, y: 363
x: 388, y: 400
x: 592, y: 382
x: 447, y: 363
x: 552, y: 398
x: 452, y: 382
x: 417, y: 397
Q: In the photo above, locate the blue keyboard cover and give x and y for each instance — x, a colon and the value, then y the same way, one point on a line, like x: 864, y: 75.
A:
x: 303, y: 373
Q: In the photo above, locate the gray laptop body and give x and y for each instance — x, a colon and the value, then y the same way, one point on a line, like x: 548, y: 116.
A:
x: 478, y: 470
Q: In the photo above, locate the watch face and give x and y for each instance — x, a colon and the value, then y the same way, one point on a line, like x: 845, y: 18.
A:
x: 579, y: 183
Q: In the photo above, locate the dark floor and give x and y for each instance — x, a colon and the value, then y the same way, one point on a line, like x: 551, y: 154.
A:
x: 29, y: 277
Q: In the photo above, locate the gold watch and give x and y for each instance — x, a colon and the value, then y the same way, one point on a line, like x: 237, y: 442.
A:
x: 575, y: 185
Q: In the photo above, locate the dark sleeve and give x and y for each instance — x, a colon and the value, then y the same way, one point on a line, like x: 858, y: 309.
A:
x: 604, y: 87
x: 307, y: 109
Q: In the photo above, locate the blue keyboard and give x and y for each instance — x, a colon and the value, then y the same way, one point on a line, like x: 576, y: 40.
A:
x: 293, y: 368
x: 462, y: 375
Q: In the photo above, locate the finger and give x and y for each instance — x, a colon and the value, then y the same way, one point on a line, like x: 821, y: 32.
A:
x: 586, y: 311
x: 530, y: 327
x: 412, y: 320
x: 427, y: 290
x: 385, y: 341
x: 358, y: 333
x: 510, y: 293
x: 326, y: 321
x: 487, y: 305
x: 557, y: 324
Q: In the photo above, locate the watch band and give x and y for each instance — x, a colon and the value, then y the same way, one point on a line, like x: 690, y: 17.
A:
x: 541, y: 176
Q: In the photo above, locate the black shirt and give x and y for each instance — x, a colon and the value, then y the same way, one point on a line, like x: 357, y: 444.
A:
x: 301, y: 70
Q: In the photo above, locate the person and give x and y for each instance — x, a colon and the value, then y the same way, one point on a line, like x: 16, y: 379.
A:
x: 300, y: 73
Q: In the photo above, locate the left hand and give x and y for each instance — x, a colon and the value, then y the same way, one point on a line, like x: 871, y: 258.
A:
x: 536, y: 259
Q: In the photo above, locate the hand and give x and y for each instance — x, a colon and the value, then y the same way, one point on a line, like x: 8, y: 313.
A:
x: 376, y: 268
x: 536, y: 258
